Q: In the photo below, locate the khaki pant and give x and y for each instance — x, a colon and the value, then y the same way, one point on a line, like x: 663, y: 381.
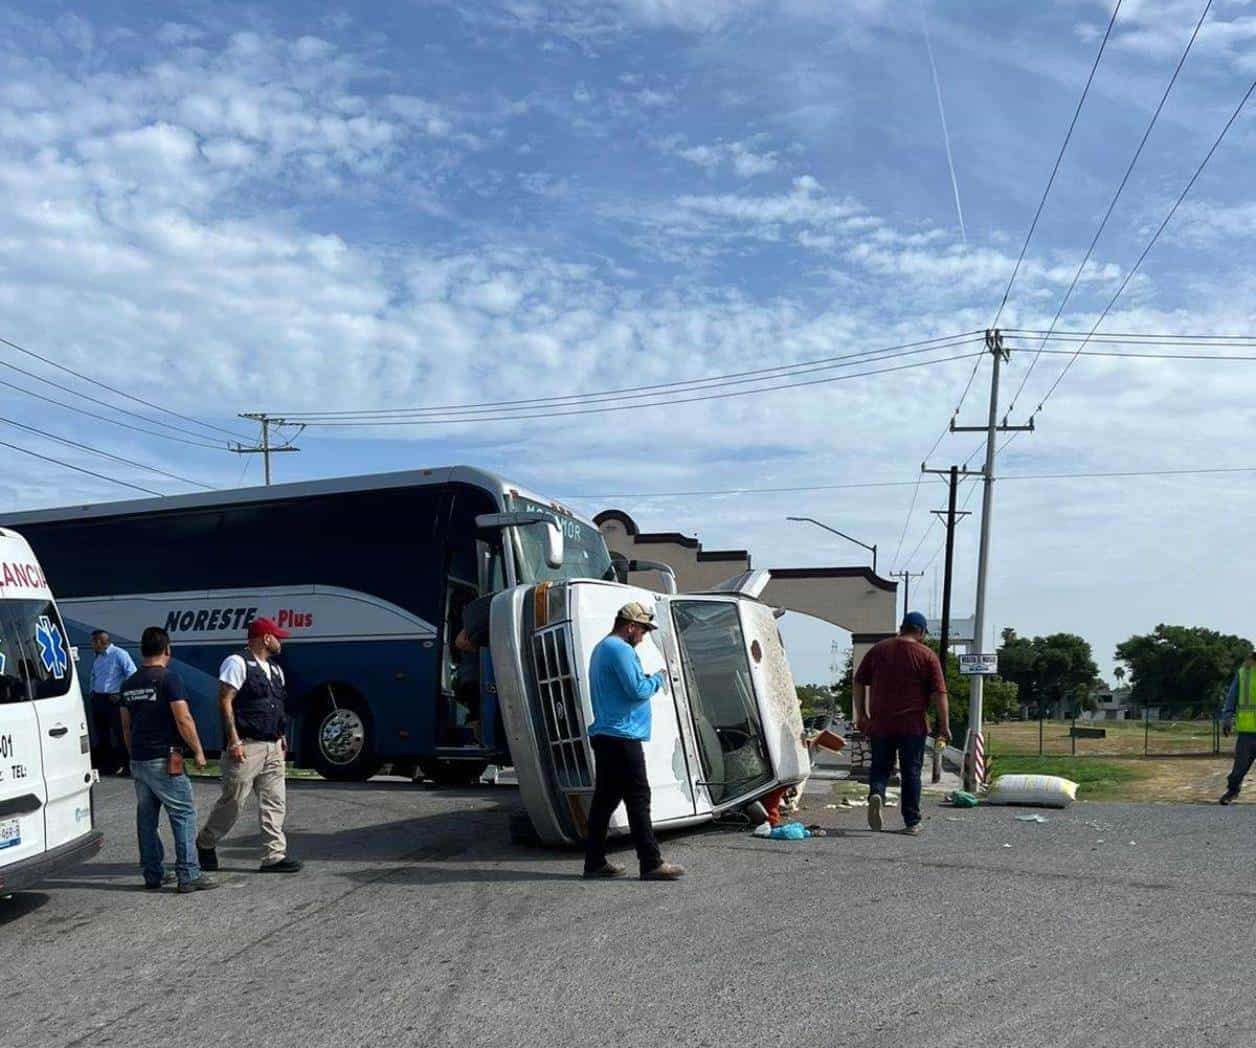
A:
x: 262, y: 770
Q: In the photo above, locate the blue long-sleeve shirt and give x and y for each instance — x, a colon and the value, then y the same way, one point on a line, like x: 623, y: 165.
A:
x: 621, y: 691
x: 110, y: 668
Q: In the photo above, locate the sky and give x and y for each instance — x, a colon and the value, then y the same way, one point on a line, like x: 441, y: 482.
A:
x: 225, y: 208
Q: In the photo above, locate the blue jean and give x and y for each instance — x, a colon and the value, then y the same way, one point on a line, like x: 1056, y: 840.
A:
x: 911, y: 758
x: 155, y: 788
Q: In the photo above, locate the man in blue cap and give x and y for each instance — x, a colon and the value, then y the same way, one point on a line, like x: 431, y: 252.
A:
x: 905, y: 679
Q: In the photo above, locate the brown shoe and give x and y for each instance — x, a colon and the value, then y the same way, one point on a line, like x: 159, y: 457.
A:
x: 875, y: 803
x: 606, y: 873
x: 664, y: 871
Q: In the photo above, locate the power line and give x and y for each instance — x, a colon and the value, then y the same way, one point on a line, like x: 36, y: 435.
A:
x: 1055, y: 170
x: 104, y: 454
x: 1150, y: 244
x: 1146, y: 356
x: 103, y: 403
x: 112, y: 389
x: 635, y: 406
x: 642, y: 392
x: 1165, y: 472
x: 106, y: 418
x: 1166, y: 337
x: 80, y: 469
x: 1112, y: 203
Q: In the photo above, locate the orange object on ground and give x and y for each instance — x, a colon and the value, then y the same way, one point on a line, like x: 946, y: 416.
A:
x: 772, y: 805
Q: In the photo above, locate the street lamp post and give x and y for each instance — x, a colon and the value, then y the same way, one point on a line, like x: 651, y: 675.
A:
x: 848, y: 538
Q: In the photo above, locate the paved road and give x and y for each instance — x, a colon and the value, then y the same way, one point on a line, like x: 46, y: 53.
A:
x: 417, y: 923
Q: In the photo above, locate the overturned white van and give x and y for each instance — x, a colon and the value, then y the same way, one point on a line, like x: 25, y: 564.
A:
x: 726, y: 731
x: 46, y: 778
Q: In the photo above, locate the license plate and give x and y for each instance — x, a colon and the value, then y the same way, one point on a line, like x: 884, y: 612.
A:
x: 10, y: 833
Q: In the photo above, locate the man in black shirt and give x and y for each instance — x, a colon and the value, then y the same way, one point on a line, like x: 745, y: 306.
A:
x: 157, y: 724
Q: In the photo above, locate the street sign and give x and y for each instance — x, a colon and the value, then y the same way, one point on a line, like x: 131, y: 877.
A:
x: 978, y: 665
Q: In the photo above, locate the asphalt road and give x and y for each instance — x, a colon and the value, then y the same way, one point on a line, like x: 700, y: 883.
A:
x: 418, y: 923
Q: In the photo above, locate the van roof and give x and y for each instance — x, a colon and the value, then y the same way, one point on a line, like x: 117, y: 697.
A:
x: 262, y: 493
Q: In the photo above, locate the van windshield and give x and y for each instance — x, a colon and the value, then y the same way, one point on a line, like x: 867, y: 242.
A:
x: 35, y: 657
x: 721, y: 692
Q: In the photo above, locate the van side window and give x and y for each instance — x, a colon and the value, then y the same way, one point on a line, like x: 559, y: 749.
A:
x: 36, y: 649
x: 13, y: 687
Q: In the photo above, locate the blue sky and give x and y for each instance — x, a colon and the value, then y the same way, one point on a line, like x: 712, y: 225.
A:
x: 229, y: 208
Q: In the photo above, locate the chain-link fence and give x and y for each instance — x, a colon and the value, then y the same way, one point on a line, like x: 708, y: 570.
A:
x: 1177, y: 730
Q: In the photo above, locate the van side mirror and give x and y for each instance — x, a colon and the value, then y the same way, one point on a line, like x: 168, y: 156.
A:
x: 523, y: 518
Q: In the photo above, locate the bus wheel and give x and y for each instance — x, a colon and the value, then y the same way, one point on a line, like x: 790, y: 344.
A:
x: 344, y: 749
x: 453, y: 773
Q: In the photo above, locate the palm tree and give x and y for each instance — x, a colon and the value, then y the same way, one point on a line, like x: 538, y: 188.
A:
x: 1119, y: 674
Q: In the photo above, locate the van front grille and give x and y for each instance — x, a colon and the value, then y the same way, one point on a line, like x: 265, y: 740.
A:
x: 560, y: 704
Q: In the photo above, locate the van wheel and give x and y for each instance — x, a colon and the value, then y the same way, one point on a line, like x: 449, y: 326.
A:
x: 344, y: 739
x: 453, y: 773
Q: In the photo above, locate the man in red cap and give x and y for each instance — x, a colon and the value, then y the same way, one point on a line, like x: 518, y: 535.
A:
x: 251, y: 699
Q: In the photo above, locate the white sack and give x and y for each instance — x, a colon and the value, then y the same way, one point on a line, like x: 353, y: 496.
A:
x: 1046, y: 791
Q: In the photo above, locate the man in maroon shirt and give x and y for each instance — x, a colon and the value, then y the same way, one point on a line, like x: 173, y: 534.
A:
x: 905, y: 678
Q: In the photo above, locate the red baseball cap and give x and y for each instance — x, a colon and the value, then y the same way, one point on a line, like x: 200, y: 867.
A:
x: 261, y: 627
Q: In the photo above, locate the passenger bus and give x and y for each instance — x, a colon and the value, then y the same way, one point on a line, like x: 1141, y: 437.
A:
x: 369, y: 575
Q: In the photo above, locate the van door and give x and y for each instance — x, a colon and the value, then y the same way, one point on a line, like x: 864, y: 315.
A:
x: 741, y: 697
x: 22, y: 792
x: 48, y: 665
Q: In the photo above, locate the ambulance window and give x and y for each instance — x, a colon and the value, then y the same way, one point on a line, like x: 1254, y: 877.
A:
x: 36, y: 648
x: 12, y: 687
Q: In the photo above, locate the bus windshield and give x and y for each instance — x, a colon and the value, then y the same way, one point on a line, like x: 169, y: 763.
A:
x: 585, y: 555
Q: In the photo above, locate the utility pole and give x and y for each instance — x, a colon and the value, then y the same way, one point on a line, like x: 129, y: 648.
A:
x: 975, y: 747
x: 906, y: 576
x: 951, y: 517
x: 265, y: 448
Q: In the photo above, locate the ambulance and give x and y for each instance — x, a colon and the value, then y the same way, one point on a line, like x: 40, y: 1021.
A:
x: 47, y: 821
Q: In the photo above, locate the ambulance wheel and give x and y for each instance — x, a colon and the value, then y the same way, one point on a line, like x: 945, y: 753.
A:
x: 344, y: 739
x: 453, y: 773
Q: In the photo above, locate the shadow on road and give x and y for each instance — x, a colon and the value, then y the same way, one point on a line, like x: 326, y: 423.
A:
x: 15, y: 907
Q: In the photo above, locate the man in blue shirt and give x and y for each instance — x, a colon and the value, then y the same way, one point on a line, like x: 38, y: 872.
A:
x: 621, y: 694
x: 111, y: 666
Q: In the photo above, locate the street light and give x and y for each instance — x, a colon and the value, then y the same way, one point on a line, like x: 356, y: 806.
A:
x: 812, y: 520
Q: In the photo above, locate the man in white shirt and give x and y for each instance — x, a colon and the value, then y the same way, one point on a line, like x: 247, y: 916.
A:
x: 251, y: 698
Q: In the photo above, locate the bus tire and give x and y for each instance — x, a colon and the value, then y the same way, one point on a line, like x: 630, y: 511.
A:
x: 452, y: 773
x: 344, y: 737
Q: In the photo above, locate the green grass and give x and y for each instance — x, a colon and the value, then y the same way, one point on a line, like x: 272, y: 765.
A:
x: 1096, y: 778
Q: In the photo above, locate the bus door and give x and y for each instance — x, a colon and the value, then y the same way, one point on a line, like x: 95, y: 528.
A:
x: 464, y: 722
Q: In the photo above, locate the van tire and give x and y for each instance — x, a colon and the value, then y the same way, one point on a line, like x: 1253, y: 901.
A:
x: 343, y: 744
x: 452, y: 773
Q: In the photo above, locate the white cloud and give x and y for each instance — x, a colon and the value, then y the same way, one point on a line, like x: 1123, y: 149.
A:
x: 745, y: 158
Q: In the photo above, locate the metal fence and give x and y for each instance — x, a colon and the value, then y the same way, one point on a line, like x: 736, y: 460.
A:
x: 1180, y: 730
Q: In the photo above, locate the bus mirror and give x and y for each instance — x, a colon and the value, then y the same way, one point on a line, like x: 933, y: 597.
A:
x: 521, y: 518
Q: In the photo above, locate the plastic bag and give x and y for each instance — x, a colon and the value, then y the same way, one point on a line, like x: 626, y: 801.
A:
x: 791, y: 831
x: 961, y: 799
x: 1046, y: 791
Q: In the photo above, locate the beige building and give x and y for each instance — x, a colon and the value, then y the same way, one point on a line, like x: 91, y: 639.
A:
x: 852, y: 598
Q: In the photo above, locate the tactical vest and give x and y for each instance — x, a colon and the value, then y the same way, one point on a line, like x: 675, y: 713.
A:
x: 1245, y: 710
x: 259, y: 704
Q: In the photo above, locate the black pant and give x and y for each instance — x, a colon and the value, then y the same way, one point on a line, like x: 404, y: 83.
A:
x: 620, y: 776
x: 911, y: 757
x: 1244, y: 754
x: 109, y: 754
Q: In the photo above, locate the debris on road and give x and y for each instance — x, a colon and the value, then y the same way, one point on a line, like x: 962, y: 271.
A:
x: 962, y: 799
x: 1031, y: 818
x: 790, y: 831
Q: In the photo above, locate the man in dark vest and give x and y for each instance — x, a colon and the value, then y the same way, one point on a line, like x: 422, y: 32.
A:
x: 251, y: 699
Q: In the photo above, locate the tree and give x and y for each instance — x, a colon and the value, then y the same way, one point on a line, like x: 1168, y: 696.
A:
x: 1182, y: 664
x: 1056, y: 669
x: 1119, y: 674
x: 815, y: 698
